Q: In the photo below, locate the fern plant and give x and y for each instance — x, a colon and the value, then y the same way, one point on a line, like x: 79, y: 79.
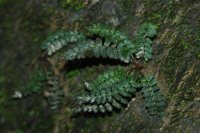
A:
x: 114, y: 88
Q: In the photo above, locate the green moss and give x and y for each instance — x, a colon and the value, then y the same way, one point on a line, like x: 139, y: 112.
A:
x: 173, y: 60
x: 184, y: 44
x: 36, y: 83
x: 72, y: 74
x: 156, y: 16
x: 2, y: 2
x: 74, y: 4
x: 17, y: 131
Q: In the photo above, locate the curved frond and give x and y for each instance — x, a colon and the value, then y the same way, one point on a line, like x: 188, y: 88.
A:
x: 98, y: 48
x: 107, y: 92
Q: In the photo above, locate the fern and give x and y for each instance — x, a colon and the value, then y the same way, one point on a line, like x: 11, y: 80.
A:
x: 104, y: 95
x: 98, y: 48
x: 60, y: 39
x: 143, y: 41
x: 124, y: 44
x: 153, y: 97
x: 56, y: 94
x: 114, y: 88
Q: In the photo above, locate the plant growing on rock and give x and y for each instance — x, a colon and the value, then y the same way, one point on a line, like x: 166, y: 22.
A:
x: 114, y: 88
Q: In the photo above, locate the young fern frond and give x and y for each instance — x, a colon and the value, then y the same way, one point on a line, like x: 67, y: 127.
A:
x: 98, y: 48
x: 56, y: 94
x: 108, y: 95
x: 60, y: 39
x: 143, y: 41
x: 154, y: 99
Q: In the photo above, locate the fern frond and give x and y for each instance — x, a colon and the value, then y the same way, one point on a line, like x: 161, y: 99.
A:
x: 115, y: 96
x: 98, y: 48
x: 143, y: 41
x: 108, y: 95
x: 113, y: 35
x: 60, y: 39
x: 155, y: 101
x: 56, y: 94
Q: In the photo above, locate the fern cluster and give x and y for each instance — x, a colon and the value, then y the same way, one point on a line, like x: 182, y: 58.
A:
x: 116, y: 45
x: 114, y: 88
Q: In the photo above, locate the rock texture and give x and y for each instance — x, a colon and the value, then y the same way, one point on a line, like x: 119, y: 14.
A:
x: 176, y: 61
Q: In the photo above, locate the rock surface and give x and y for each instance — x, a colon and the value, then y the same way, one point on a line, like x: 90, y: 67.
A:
x: 176, y: 63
